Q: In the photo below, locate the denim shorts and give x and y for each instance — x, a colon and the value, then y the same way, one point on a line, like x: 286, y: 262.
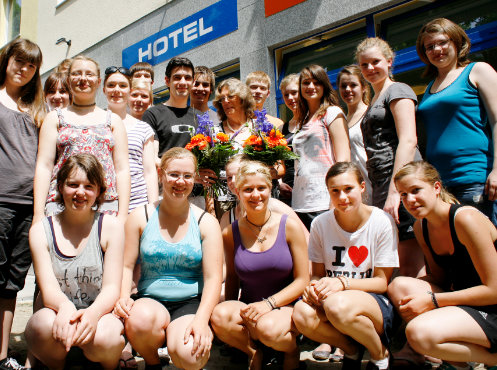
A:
x: 474, y: 195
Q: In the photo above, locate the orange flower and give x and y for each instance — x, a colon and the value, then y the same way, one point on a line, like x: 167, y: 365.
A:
x: 202, y: 145
x: 222, y: 137
x: 254, y: 141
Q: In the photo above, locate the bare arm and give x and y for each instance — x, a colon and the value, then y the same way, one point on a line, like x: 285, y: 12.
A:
x: 232, y: 283
x: 403, y: 111
x: 150, y: 171
x: 279, y: 207
x: 121, y: 166
x: 339, y: 136
x: 484, y: 78
x: 47, y: 149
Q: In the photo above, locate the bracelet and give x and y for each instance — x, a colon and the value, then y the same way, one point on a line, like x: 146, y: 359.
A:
x: 343, y: 283
x: 273, y: 302
x: 433, y: 299
x: 348, y: 282
x: 269, y: 303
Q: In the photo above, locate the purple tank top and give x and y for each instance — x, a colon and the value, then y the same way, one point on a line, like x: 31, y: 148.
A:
x: 263, y: 274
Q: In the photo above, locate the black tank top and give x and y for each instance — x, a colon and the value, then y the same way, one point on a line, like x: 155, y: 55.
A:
x: 460, y: 273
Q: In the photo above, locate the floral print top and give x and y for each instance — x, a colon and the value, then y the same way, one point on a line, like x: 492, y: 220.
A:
x: 94, y: 139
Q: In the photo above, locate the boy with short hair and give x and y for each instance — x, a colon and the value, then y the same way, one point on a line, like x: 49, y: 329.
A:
x: 260, y: 85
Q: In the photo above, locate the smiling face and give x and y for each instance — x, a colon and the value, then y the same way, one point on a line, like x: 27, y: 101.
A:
x: 180, y: 82
x: 201, y: 91
x: 254, y: 192
x: 83, y: 77
x: 440, y: 50
x: 350, y: 89
x: 57, y: 96
x: 117, y: 89
x: 232, y: 104
x: 178, y: 176
x: 346, y: 192
x: 374, y: 65
x: 418, y: 196
x: 312, y: 89
x: 231, y: 171
x: 139, y: 100
x: 19, y: 72
x: 77, y: 192
x: 291, y: 95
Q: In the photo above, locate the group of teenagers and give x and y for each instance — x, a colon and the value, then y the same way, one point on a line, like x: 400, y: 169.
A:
x: 115, y: 260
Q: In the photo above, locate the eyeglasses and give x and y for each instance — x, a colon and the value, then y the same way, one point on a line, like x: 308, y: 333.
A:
x: 442, y: 44
x: 113, y: 69
x: 175, y: 176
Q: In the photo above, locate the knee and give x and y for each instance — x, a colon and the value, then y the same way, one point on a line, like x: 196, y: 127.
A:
x: 181, y: 354
x: 399, y: 288
x: 339, y: 310
x: 39, y: 328
x: 109, y: 338
x: 303, y: 316
x: 267, y: 330
x: 419, y: 334
x: 220, y: 317
x: 141, y: 320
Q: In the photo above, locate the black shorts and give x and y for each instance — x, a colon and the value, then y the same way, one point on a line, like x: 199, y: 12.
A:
x: 487, y: 321
x: 390, y: 318
x: 405, y: 227
x: 15, y: 256
x: 177, y: 309
x: 308, y: 217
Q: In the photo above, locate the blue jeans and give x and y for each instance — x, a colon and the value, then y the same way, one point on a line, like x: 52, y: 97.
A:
x: 474, y: 195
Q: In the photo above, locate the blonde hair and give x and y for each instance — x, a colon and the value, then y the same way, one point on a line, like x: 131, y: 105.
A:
x: 177, y: 153
x: 426, y: 173
x: 376, y: 42
x: 250, y: 168
x: 140, y: 84
x: 84, y: 58
x: 258, y: 76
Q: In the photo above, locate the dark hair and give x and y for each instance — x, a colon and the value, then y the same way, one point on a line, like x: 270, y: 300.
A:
x: 142, y: 66
x: 330, y: 96
x: 31, y: 94
x: 238, y: 88
x: 91, y: 166
x: 354, y: 70
x: 342, y: 167
x: 455, y: 33
x: 54, y: 79
x: 205, y: 72
x: 178, y: 62
x: 427, y: 173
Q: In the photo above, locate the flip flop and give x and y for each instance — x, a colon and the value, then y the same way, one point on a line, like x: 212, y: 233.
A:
x: 321, y: 355
x: 127, y: 361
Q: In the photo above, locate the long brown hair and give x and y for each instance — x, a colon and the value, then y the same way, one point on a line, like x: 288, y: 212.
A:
x: 426, y: 173
x: 31, y: 94
x: 330, y: 96
x: 354, y: 70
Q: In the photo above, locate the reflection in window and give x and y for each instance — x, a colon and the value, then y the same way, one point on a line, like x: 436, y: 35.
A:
x: 13, y: 19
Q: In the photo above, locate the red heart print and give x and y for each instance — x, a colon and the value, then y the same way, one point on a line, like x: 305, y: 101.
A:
x: 358, y: 255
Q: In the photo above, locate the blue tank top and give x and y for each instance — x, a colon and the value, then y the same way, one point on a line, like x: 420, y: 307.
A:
x: 263, y: 274
x: 459, y: 142
x: 170, y: 271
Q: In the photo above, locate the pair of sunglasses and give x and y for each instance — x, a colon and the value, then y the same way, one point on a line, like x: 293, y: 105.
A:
x: 114, y: 69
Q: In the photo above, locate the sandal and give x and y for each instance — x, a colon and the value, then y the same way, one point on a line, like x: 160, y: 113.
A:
x: 321, y: 355
x: 127, y: 361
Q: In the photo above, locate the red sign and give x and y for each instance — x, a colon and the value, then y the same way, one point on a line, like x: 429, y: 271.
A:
x: 276, y: 6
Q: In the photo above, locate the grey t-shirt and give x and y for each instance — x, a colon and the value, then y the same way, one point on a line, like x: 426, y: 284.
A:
x: 18, y: 149
x: 381, y: 140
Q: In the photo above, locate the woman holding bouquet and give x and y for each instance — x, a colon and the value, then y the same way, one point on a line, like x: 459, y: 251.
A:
x: 321, y: 141
x: 266, y: 254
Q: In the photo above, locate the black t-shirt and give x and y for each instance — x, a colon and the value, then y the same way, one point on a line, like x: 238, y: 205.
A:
x: 171, y: 125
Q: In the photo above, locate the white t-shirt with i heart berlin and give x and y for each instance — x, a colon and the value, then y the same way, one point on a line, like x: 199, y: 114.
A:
x: 355, y: 254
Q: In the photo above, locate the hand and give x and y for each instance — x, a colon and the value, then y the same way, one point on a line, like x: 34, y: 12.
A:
x: 206, y: 177
x: 285, y: 190
x: 62, y: 329
x: 491, y: 185
x: 414, y: 305
x: 202, y: 337
x: 309, y: 296
x: 86, y: 325
x: 326, y: 286
x: 254, y: 311
x: 123, y: 306
x: 392, y: 205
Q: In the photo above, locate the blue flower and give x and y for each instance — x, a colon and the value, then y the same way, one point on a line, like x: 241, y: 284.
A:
x: 205, y: 125
x: 261, y: 123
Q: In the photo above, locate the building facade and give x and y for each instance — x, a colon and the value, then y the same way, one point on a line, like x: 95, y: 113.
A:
x: 235, y: 37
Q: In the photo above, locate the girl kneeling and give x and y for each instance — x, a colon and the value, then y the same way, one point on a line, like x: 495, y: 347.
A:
x: 77, y: 257
x: 452, y: 311
x: 353, y: 249
x: 266, y: 254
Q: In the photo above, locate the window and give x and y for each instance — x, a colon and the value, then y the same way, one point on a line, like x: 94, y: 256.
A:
x: 10, y: 11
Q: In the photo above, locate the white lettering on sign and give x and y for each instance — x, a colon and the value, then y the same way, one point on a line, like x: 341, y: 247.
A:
x: 160, y: 46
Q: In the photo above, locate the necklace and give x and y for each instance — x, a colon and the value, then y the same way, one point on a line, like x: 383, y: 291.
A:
x: 257, y: 236
x: 231, y: 128
x: 84, y: 105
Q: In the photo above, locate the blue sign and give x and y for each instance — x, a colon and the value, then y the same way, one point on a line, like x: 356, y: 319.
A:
x: 208, y: 24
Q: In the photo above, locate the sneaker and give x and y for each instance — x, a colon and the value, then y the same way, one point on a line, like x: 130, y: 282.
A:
x: 350, y: 364
x: 10, y: 363
x: 372, y: 366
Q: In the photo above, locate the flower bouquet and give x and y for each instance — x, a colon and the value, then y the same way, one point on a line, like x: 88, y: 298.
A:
x: 211, y: 149
x: 267, y: 144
